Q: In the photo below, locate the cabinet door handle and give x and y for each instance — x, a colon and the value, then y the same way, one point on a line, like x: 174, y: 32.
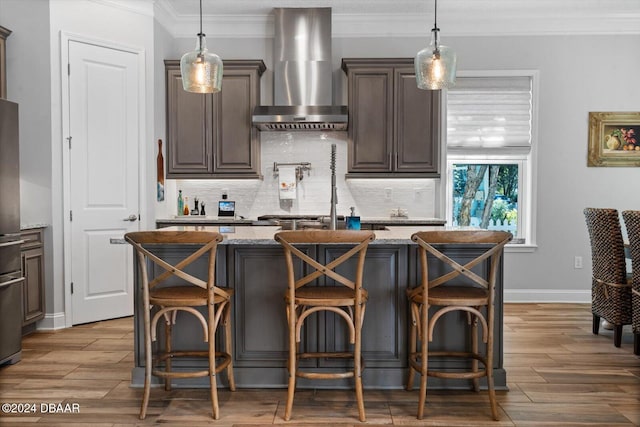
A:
x: 116, y: 241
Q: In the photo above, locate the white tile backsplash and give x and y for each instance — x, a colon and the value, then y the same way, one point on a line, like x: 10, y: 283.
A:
x: 371, y: 197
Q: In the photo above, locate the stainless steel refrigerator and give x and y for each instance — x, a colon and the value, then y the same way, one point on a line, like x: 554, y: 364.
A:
x: 11, y: 279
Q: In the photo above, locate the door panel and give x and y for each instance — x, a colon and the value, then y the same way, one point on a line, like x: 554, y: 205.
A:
x: 189, y: 132
x: 104, y: 125
x: 370, y: 119
x: 416, y: 133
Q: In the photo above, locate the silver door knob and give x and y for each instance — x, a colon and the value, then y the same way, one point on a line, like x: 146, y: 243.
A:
x: 132, y: 218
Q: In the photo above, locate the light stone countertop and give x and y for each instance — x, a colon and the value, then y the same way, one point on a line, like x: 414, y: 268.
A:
x: 195, y: 219
x: 394, y: 235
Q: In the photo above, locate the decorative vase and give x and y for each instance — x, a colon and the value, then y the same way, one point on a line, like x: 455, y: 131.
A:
x: 612, y: 141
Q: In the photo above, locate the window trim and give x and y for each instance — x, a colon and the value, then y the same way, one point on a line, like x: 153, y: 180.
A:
x: 528, y: 162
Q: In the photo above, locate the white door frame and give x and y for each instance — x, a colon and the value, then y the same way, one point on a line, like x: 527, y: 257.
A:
x: 65, y: 38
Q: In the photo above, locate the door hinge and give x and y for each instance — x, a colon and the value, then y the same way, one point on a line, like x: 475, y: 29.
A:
x: 70, y: 215
x: 72, y: 287
x: 69, y: 141
x: 68, y: 69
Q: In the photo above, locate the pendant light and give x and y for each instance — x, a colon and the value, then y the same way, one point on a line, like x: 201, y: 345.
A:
x: 201, y: 70
x: 436, y: 64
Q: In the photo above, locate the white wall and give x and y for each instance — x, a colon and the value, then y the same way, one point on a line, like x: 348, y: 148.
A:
x: 29, y: 84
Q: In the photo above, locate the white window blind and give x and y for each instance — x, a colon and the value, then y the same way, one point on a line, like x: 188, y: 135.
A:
x: 490, y: 113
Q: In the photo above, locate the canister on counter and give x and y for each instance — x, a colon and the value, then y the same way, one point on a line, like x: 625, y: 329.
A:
x: 353, y: 221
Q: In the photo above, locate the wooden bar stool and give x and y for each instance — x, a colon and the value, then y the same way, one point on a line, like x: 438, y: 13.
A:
x: 470, y: 294
x: 176, y: 290
x: 347, y: 298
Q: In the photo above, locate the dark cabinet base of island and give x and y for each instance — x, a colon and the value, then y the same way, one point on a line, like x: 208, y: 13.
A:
x: 257, y: 274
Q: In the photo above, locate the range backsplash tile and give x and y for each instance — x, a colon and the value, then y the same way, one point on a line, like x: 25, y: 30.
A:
x: 371, y: 197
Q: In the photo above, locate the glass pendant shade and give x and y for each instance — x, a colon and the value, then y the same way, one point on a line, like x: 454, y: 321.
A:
x: 201, y: 70
x: 435, y: 66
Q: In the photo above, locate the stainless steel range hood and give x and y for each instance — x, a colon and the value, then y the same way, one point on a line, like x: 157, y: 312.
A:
x: 302, y: 74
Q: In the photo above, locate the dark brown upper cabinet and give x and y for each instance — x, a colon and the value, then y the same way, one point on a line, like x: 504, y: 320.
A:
x: 394, y: 127
x: 210, y: 135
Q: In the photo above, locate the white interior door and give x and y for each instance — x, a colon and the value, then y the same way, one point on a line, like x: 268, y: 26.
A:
x: 104, y: 127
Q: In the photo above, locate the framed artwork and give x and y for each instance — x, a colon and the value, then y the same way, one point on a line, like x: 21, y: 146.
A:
x: 614, y: 139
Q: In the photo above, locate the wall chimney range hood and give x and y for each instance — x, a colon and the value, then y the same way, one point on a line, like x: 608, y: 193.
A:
x: 302, y: 88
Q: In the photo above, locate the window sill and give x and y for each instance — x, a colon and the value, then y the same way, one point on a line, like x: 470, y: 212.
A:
x: 520, y: 248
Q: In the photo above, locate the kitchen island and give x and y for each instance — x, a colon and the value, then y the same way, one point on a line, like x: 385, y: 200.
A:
x: 252, y: 263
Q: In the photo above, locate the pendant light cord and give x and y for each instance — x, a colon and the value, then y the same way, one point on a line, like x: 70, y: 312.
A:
x: 435, y: 16
x: 200, y: 34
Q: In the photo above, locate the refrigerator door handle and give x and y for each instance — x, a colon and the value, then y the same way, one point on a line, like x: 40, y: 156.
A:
x: 11, y: 282
x: 11, y: 243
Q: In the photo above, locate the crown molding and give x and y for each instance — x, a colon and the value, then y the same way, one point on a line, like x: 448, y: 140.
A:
x: 142, y: 7
x: 460, y: 18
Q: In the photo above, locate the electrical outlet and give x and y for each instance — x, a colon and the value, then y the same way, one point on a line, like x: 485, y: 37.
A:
x: 387, y: 193
x: 577, y: 262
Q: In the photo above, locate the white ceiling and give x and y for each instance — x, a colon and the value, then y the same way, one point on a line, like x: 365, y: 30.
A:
x: 358, y: 18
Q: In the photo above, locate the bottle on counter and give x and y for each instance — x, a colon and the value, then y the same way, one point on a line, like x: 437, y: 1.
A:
x: 202, y: 212
x: 180, y: 204
x: 160, y: 173
x: 185, y: 210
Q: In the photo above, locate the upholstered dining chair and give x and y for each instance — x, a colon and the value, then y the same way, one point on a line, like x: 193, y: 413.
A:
x: 175, y: 290
x: 340, y: 292
x: 455, y: 284
x: 632, y: 223
x: 610, y: 289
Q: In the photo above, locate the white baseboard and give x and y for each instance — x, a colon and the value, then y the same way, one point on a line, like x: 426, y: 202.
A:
x: 52, y: 321
x: 547, y: 295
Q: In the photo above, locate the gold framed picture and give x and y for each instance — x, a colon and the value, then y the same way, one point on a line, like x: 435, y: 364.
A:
x: 614, y: 139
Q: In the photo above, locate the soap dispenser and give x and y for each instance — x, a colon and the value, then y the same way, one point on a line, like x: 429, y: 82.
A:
x: 353, y: 221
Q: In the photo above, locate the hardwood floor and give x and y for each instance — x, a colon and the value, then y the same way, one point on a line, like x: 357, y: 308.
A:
x: 558, y: 374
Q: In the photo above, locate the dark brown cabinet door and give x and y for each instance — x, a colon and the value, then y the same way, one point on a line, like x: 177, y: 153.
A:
x: 189, y: 141
x: 370, y: 120
x: 393, y: 126
x: 210, y: 135
x: 416, y: 124
x: 32, y: 254
x: 235, y: 139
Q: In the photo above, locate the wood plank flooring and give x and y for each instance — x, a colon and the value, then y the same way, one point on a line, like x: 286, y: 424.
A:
x: 559, y: 374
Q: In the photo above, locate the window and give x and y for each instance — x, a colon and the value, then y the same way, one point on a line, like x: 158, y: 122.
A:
x: 490, y: 152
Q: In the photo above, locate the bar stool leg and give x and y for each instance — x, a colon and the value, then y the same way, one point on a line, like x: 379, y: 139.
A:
x: 357, y: 364
x: 212, y: 366
x: 168, y: 329
x: 228, y: 346
x: 473, y: 320
x: 292, y: 317
x: 148, y: 366
x: 424, y: 326
x: 413, y: 332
